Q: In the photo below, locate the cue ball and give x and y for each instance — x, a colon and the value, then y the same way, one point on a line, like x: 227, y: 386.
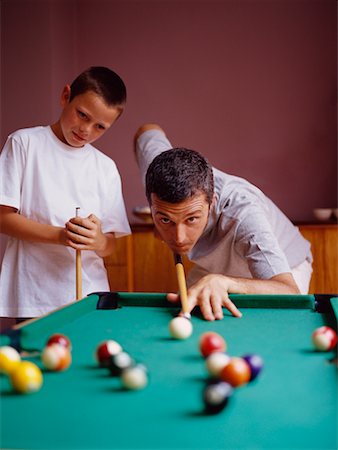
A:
x: 134, y: 377
x: 211, y: 342
x: 324, y: 338
x: 26, y: 377
x: 236, y: 373
x: 105, y: 350
x: 216, y: 395
x: 180, y: 327
x: 256, y: 364
x: 56, y: 357
x: 215, y: 362
x: 9, y: 359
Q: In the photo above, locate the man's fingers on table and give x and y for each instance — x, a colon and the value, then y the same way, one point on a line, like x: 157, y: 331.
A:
x: 227, y: 303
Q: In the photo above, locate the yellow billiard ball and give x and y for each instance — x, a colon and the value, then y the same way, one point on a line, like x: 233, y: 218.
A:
x: 26, y: 377
x: 9, y: 359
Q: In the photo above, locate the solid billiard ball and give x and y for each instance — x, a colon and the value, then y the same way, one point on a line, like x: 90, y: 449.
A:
x: 9, y: 359
x: 120, y: 362
x: 256, y: 364
x: 211, y: 342
x: 180, y: 327
x: 134, y: 377
x: 59, y: 338
x: 216, y: 395
x: 324, y: 338
x: 26, y: 377
x: 56, y: 357
x: 105, y: 350
x: 236, y: 372
x: 215, y: 362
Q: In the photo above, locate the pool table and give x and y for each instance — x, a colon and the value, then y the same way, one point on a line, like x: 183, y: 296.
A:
x: 291, y: 405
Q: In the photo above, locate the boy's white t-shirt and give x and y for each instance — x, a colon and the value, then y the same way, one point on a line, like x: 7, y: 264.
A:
x: 46, y: 180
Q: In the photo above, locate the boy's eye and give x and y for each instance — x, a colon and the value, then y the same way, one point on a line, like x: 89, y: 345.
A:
x: 82, y: 115
x: 101, y: 127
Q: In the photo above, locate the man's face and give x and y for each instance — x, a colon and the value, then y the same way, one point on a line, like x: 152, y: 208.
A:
x: 84, y: 119
x: 180, y: 225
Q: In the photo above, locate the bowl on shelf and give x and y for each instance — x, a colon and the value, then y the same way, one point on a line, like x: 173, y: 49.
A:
x: 322, y: 214
x: 143, y: 213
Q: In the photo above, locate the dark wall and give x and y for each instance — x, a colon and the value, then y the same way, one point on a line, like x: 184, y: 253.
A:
x: 250, y: 83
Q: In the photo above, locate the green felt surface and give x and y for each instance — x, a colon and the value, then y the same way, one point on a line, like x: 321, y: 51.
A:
x: 292, y: 405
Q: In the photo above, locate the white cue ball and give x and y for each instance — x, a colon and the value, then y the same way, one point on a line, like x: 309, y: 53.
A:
x: 134, y: 377
x: 180, y: 327
x: 215, y: 362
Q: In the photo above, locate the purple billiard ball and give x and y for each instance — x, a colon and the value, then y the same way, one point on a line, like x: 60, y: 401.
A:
x: 256, y: 364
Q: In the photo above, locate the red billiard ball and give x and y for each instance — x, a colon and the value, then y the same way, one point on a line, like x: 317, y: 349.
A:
x: 60, y: 339
x: 211, y: 342
x: 324, y: 338
x: 236, y: 373
x: 105, y: 350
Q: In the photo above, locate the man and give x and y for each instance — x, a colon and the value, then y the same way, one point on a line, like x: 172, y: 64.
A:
x: 238, y: 239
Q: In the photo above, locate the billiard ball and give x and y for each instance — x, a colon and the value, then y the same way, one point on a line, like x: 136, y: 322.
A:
x: 120, y: 362
x: 56, y: 357
x: 236, y: 372
x: 26, y: 377
x: 9, y: 359
x: 180, y: 327
x: 134, y: 377
x: 211, y: 342
x: 59, y: 338
x: 324, y: 338
x: 215, y: 362
x: 256, y: 364
x: 216, y: 395
x: 105, y: 350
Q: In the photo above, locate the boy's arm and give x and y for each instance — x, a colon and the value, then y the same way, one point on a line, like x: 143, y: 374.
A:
x: 18, y: 226
x: 79, y: 233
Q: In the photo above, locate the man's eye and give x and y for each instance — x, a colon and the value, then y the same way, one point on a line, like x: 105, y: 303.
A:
x: 164, y: 220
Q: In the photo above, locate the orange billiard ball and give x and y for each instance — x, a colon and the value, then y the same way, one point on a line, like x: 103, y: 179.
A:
x: 237, y: 372
x: 56, y: 357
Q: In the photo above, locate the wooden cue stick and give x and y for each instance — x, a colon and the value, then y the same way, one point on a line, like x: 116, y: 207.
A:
x: 182, y: 284
x: 78, y: 270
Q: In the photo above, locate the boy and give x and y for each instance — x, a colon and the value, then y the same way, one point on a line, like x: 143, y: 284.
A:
x: 238, y: 239
x: 46, y: 172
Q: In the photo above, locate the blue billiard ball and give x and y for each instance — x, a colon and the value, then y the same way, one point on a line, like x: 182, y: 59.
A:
x: 256, y: 364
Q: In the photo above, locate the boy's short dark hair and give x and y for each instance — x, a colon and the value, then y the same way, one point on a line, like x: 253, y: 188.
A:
x: 177, y: 174
x: 104, y: 82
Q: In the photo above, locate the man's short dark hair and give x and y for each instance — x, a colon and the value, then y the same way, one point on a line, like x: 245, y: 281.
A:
x: 178, y: 174
x: 103, y: 82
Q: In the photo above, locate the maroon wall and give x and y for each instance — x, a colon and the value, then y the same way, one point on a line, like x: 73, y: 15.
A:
x: 251, y: 84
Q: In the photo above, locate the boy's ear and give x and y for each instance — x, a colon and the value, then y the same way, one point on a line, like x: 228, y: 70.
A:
x: 65, y: 96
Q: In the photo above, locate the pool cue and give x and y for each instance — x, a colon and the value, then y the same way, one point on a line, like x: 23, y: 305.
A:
x: 78, y: 268
x: 182, y: 285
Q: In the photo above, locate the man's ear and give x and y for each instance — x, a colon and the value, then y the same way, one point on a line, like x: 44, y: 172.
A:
x: 65, y: 96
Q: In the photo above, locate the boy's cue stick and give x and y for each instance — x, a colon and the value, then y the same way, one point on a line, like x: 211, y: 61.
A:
x: 182, y: 286
x: 78, y: 270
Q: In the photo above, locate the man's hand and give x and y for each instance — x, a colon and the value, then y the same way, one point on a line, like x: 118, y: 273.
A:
x: 210, y: 293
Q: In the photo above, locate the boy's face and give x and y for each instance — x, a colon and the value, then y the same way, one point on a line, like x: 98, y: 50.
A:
x: 84, y: 119
x: 180, y: 225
